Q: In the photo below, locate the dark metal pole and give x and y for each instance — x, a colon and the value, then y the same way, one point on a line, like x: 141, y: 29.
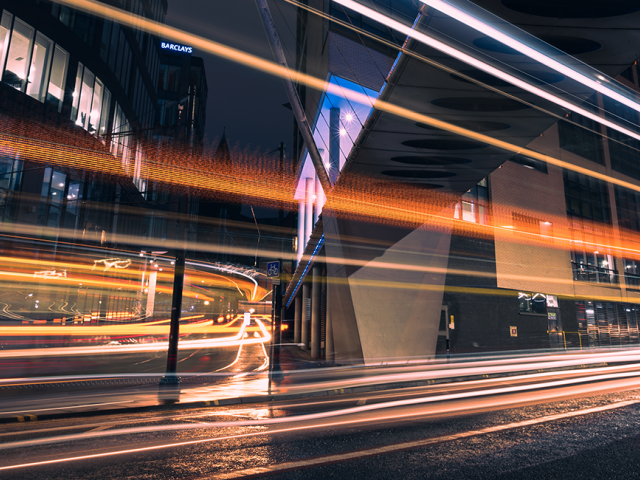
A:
x: 275, y: 372
x: 176, y: 311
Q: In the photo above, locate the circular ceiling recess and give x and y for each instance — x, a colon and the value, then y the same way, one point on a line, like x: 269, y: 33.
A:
x: 474, y: 126
x: 417, y: 174
x: 571, y: 45
x: 491, y: 45
x: 443, y: 144
x: 479, y: 104
x: 573, y: 8
x: 432, y: 161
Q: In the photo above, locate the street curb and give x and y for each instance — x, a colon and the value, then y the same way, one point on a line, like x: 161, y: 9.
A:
x: 27, y: 417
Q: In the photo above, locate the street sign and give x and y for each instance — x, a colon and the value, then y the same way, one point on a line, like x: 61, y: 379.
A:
x: 273, y: 269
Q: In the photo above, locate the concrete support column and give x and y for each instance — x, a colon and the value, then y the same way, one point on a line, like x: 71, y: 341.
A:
x: 334, y: 143
x: 328, y: 341
x: 308, y: 216
x: 297, y: 322
x: 316, y: 298
x: 301, y: 229
x: 305, y: 331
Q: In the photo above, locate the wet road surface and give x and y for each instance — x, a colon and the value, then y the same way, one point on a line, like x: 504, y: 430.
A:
x: 585, y: 430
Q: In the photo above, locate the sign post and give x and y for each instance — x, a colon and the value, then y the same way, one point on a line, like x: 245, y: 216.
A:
x: 273, y: 272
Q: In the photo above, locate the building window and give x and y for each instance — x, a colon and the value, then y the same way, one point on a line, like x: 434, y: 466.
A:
x: 628, y: 206
x: 88, y: 102
x: 632, y: 273
x: 5, y: 35
x: 473, y: 206
x: 169, y: 78
x: 55, y: 93
x: 586, y: 197
x: 15, y: 73
x: 532, y: 303
x: 530, y: 163
x: 52, y: 192
x: 623, y: 150
x: 10, y: 183
x: 594, y: 267
x: 39, y: 70
x: 580, y: 138
x: 605, y: 324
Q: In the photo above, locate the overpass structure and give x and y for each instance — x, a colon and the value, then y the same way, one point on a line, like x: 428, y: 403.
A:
x: 499, y: 71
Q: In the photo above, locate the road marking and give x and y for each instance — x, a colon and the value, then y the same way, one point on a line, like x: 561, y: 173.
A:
x: 397, y: 447
x: 99, y: 429
x: 66, y: 408
x: 363, y: 453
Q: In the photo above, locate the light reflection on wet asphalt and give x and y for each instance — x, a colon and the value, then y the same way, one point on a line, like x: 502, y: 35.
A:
x: 258, y: 448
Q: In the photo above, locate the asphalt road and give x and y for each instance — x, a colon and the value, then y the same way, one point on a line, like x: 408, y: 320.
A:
x: 467, y: 430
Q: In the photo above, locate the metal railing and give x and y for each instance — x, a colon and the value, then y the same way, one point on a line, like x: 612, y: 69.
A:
x: 591, y: 273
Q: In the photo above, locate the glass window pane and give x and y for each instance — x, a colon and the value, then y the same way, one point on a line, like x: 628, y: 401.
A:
x: 5, y: 33
x: 96, y: 108
x: 39, y: 70
x: 76, y: 92
x: 15, y: 73
x: 104, y: 118
x: 57, y: 187
x: 55, y: 94
x: 86, y: 96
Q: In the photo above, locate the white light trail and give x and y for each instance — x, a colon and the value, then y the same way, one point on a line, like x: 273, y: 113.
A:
x: 596, y: 381
x: 477, y: 24
x: 455, y: 53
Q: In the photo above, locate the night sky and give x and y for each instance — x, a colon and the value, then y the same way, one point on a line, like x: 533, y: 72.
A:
x: 248, y: 103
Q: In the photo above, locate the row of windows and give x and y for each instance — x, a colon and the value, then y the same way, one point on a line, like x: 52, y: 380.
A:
x: 30, y: 62
x: 580, y: 137
x: 91, y: 102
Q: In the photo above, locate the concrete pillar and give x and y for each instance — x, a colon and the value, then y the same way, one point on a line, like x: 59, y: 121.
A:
x: 301, y: 229
x: 297, y: 322
x: 328, y: 341
x: 316, y: 297
x: 305, y: 331
x: 334, y: 143
x: 308, y: 216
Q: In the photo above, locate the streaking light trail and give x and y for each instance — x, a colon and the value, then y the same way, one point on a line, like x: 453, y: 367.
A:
x: 432, y: 42
x: 497, y: 34
x: 272, y: 68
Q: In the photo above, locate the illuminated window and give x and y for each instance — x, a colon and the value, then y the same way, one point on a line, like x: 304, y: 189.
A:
x: 473, y: 206
x: 632, y: 273
x: 39, y: 69
x: 533, y: 303
x: 55, y: 93
x: 594, y: 267
x: 16, y: 70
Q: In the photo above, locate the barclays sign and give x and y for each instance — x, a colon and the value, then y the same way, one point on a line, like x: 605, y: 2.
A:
x: 174, y: 47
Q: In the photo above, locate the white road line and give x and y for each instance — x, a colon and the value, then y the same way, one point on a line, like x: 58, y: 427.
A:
x: 347, y: 456
x: 333, y: 413
x: 100, y: 428
x: 370, y: 452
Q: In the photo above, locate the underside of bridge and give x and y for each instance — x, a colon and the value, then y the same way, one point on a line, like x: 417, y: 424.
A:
x: 383, y: 313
